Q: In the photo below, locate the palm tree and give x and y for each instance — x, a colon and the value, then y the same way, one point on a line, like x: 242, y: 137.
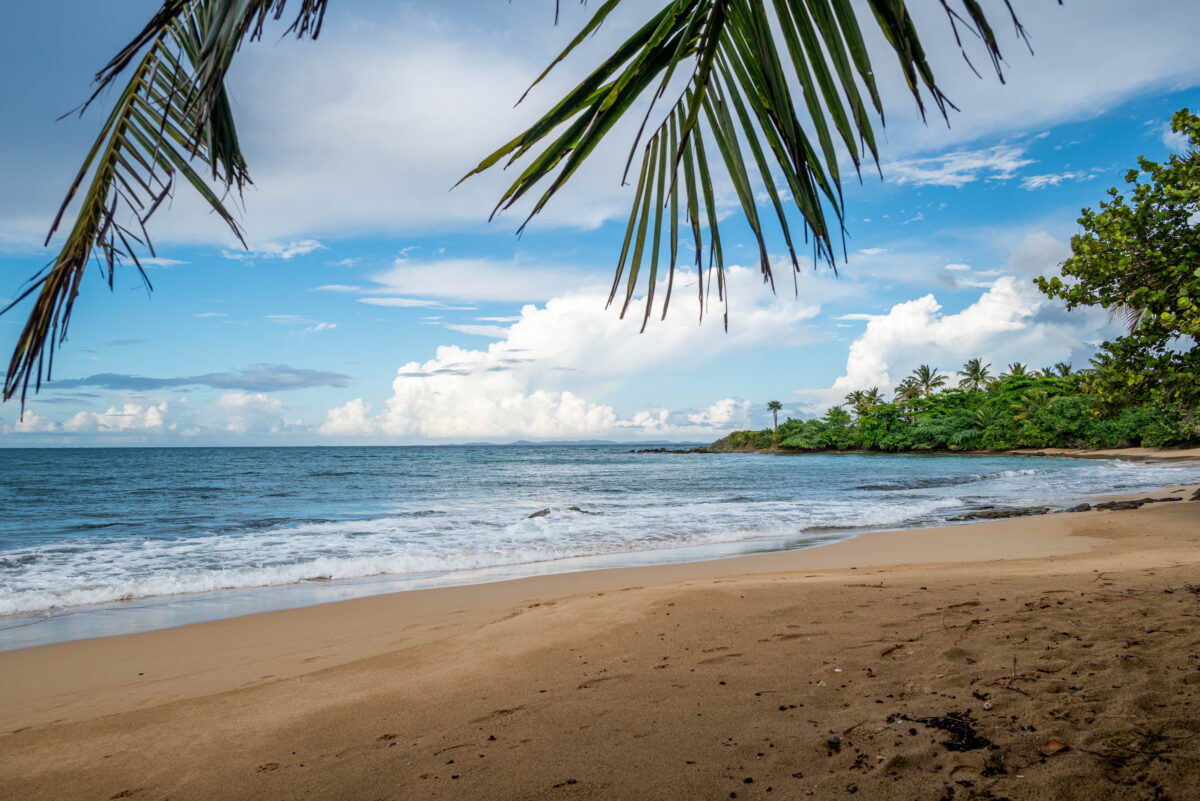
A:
x: 1016, y: 370
x: 863, y: 401
x: 974, y: 375
x: 172, y: 124
x: 774, y: 407
x: 906, y: 392
x: 928, y: 379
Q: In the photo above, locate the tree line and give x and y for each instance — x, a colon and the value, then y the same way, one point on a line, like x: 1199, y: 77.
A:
x: 1054, y: 407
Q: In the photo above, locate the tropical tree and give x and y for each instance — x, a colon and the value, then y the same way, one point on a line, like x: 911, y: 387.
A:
x: 1140, y: 258
x: 928, y: 379
x: 974, y: 374
x: 774, y: 407
x: 863, y: 401
x: 906, y: 392
x: 172, y: 125
x: 1016, y: 370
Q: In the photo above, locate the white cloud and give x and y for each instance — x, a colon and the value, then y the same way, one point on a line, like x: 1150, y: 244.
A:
x: 412, y: 303
x: 337, y: 288
x: 1011, y: 321
x: 158, y: 261
x: 30, y: 423
x: 479, y: 279
x: 1054, y: 179
x: 872, y: 251
x: 539, y: 380
x: 494, y: 331
x: 961, y: 268
x: 958, y: 168
x: 725, y: 414
x: 253, y: 413
x: 1176, y: 142
x: 350, y: 420
x: 208, y: 315
x: 131, y: 417
x: 274, y: 250
x: 509, y: 319
x: 310, y: 326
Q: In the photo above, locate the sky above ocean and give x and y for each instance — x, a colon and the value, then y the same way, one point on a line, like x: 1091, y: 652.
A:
x: 375, y: 305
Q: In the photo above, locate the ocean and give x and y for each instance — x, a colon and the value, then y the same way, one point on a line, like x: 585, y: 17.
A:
x: 105, y: 541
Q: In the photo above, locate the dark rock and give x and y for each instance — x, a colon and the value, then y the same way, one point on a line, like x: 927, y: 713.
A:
x: 834, y: 743
x: 1083, y: 507
x: 542, y: 513
x: 1116, y: 506
x: 581, y: 511
x: 1000, y: 512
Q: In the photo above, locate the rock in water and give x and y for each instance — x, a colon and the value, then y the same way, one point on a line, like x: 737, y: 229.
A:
x: 542, y: 513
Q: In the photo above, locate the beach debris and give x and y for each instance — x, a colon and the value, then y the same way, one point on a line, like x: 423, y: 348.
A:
x: 1053, y: 747
x: 1007, y: 683
x: 960, y: 727
x: 542, y: 513
x: 834, y: 743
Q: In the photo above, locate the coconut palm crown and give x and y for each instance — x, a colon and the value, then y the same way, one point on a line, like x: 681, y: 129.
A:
x: 928, y: 379
x: 763, y: 93
x: 975, y: 375
x: 773, y: 407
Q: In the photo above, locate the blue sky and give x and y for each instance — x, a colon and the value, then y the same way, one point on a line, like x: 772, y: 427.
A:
x: 376, y: 306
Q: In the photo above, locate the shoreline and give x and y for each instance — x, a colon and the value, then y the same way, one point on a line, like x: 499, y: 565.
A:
x: 569, y: 672
x: 1186, y: 453
x: 151, y: 613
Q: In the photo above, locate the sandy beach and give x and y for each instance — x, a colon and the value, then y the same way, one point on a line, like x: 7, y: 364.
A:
x: 1051, y: 657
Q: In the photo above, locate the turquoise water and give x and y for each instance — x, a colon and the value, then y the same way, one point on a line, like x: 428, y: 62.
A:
x: 103, y: 535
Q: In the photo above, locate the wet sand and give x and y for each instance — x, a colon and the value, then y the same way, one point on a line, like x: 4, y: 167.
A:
x: 1052, y: 657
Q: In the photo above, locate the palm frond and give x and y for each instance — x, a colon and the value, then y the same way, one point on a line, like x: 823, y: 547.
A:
x: 759, y: 75
x: 172, y: 115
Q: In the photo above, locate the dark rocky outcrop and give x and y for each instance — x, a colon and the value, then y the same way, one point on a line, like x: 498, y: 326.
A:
x: 541, y: 513
x: 1000, y: 512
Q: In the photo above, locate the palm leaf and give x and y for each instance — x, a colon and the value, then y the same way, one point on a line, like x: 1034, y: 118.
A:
x: 737, y: 99
x: 172, y: 115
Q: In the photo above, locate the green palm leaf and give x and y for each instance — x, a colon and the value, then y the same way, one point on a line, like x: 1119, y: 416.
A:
x: 172, y: 116
x: 739, y: 100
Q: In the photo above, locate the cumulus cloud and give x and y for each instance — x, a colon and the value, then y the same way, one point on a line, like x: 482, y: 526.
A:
x: 246, y: 413
x: 1010, y: 321
x: 30, y: 423
x: 130, y: 417
x: 539, y: 379
x: 724, y: 414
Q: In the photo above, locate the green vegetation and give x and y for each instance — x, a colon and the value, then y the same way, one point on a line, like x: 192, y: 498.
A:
x: 1051, y: 408
x: 1140, y: 258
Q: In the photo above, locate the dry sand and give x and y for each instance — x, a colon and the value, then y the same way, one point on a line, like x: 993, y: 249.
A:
x: 1053, y: 657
